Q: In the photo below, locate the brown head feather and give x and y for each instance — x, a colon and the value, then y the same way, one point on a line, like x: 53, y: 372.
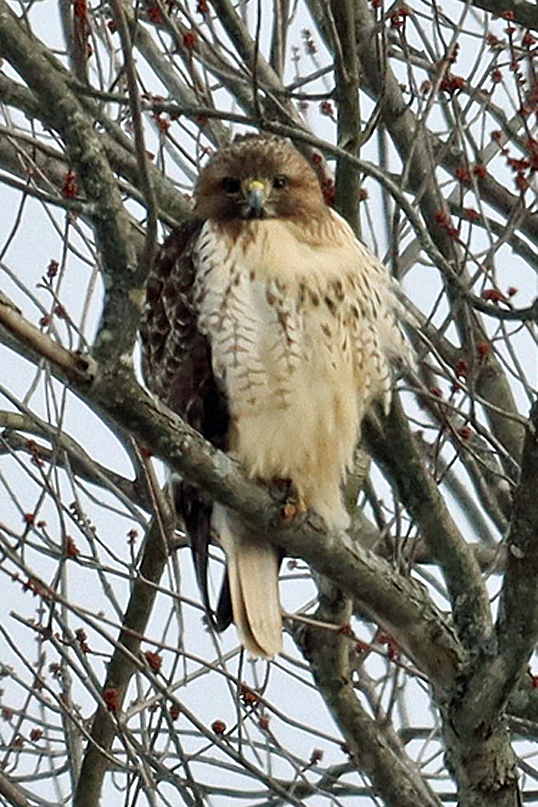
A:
x: 292, y: 185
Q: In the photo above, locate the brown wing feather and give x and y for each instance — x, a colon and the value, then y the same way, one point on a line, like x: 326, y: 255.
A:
x: 176, y: 363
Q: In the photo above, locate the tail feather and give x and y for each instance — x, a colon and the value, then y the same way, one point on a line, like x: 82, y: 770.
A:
x: 253, y: 582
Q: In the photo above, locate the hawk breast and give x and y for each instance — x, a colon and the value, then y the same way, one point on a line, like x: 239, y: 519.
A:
x: 296, y: 343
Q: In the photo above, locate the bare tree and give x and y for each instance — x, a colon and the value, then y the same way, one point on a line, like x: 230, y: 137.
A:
x: 405, y: 678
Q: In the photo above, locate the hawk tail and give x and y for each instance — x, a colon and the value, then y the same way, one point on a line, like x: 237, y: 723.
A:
x: 253, y: 586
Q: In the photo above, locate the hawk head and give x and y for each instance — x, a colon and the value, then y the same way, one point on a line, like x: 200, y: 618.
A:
x: 258, y: 177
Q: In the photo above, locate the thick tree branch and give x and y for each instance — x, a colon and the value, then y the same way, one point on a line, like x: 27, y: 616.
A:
x: 475, y: 727
x: 123, y: 664
x: 417, y: 150
x: 12, y: 793
x: 517, y: 624
x: 419, y: 493
x: 399, y: 604
x: 524, y: 13
x: 340, y: 25
x: 373, y: 746
x: 67, y: 116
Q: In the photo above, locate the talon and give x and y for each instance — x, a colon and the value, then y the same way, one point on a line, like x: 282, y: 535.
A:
x: 290, y: 510
x: 294, y: 505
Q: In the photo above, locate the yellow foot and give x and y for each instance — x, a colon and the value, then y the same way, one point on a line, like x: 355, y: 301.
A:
x: 294, y: 505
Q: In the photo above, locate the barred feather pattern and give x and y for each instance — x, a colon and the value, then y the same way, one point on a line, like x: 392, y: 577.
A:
x: 302, y: 325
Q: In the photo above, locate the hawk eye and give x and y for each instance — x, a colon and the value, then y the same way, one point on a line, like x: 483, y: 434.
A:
x: 280, y: 181
x: 231, y: 185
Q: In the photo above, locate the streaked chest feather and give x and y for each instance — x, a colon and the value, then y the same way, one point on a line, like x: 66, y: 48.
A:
x: 299, y: 334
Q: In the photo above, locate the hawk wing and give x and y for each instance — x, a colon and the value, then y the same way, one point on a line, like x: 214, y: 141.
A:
x: 176, y: 364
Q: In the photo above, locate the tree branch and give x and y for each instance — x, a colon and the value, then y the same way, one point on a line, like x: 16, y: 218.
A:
x: 517, y: 623
x: 398, y: 603
x: 373, y: 747
x: 123, y: 664
x: 420, y: 495
x: 66, y: 115
x: 12, y: 792
x: 418, y: 151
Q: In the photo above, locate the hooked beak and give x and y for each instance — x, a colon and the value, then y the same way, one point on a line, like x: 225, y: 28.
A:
x: 256, y: 193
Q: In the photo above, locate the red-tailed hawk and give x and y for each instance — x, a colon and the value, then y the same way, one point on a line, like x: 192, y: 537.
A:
x: 270, y: 328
